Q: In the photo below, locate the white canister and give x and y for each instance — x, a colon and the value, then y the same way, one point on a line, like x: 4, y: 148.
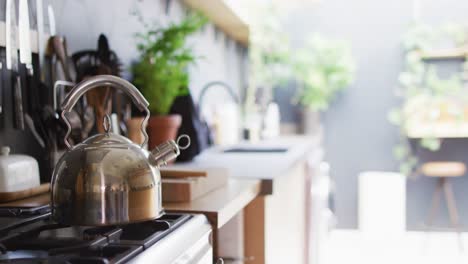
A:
x: 17, y: 172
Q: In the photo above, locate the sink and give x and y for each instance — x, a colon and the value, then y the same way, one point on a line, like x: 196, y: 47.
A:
x: 255, y: 150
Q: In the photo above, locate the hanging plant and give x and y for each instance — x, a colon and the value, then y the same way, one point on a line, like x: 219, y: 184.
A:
x: 428, y: 99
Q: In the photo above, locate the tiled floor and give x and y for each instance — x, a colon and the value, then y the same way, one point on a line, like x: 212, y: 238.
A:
x: 353, y: 246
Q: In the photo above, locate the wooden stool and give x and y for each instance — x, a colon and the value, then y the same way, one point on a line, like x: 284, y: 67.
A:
x: 444, y: 171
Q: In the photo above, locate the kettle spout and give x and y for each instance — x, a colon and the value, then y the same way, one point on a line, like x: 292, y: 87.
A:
x: 164, y: 153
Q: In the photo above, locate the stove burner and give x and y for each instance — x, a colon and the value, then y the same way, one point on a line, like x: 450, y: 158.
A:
x: 35, y: 238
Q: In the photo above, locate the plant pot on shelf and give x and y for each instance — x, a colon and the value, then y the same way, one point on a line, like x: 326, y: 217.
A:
x: 162, y: 128
x: 311, y: 123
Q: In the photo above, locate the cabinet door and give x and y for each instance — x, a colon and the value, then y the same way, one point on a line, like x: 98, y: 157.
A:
x: 285, y: 218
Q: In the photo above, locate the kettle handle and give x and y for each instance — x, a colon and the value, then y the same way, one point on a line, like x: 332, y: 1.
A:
x: 104, y: 80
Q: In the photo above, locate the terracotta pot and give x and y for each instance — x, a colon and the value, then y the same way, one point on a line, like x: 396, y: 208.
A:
x: 162, y: 128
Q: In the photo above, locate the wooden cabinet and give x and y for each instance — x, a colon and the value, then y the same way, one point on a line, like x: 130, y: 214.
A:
x: 256, y: 226
x: 264, y: 220
x: 279, y: 221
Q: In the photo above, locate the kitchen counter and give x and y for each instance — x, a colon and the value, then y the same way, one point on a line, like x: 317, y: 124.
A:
x: 222, y: 204
x: 254, y: 211
x: 264, y: 166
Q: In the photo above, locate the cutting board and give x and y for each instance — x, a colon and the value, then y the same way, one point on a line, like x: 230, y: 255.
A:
x: 18, y: 195
x: 31, y: 202
x: 186, y: 189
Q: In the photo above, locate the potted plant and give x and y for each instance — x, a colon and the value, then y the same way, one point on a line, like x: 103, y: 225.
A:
x: 431, y: 105
x: 323, y: 68
x: 161, y: 73
x: 269, y: 69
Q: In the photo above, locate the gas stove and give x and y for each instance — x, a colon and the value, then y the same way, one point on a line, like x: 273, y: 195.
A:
x: 31, y: 236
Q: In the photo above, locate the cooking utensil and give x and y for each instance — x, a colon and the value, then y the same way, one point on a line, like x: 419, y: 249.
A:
x: 40, y: 37
x: 134, y: 130
x: 1, y: 87
x: 12, y: 62
x: 106, y: 179
x: 100, y: 100
x: 88, y: 121
x: 30, y: 123
x: 124, y: 112
x: 81, y: 115
x: 97, y: 62
x: 60, y: 49
x: 24, y: 34
x: 49, y: 63
x: 33, y: 119
x: 10, y: 24
x: 25, y: 50
x: 17, y: 172
x: 51, y: 16
x: 2, y: 80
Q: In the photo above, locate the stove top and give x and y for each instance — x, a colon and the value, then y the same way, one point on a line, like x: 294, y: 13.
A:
x: 30, y: 236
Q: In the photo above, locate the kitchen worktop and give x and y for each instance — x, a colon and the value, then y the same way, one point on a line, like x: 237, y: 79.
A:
x: 266, y: 166
x: 221, y: 204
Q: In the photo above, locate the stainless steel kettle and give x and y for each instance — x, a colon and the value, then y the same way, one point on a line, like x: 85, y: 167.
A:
x: 107, y: 179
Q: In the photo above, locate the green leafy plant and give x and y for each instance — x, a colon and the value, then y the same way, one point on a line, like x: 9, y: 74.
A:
x: 324, y: 67
x: 161, y: 72
x: 269, y: 52
x: 424, y: 94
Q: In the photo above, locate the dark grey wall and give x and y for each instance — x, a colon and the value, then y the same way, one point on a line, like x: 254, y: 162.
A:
x: 358, y: 136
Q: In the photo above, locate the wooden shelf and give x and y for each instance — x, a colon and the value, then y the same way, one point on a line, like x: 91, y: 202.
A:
x: 34, y: 46
x: 438, y: 130
x: 219, y: 12
x: 455, y: 53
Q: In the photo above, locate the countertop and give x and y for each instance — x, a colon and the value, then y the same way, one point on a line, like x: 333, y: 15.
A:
x: 221, y: 204
x: 251, y: 174
x: 264, y: 166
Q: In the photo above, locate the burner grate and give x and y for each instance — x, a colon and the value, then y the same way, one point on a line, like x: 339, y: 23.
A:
x: 40, y: 240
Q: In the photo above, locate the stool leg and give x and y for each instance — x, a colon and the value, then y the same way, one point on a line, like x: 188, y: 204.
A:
x: 434, y: 204
x: 452, y: 208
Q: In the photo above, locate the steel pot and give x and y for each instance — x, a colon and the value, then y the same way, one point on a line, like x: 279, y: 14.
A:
x: 107, y: 179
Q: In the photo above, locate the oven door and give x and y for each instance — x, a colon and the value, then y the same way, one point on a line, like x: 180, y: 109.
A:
x: 200, y: 253
x: 189, y: 243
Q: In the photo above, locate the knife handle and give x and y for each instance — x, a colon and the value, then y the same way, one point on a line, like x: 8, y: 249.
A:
x: 1, y: 87
x: 18, y: 97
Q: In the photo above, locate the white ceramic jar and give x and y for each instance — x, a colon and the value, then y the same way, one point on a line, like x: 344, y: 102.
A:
x: 17, y: 172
